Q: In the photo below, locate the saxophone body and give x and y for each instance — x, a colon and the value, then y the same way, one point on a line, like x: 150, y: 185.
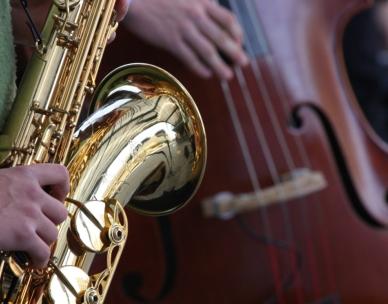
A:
x: 142, y: 146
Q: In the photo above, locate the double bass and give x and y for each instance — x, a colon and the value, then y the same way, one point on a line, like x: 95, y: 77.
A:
x: 290, y: 148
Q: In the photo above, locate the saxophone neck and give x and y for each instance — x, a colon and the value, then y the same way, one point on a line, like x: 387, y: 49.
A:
x: 60, y: 74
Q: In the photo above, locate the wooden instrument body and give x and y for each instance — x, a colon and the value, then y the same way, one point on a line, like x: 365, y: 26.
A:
x: 320, y: 249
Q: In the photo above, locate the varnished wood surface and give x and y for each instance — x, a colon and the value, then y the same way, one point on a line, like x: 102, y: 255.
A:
x: 322, y: 247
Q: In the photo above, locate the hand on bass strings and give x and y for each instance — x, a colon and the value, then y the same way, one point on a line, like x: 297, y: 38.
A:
x: 194, y: 31
x: 29, y: 214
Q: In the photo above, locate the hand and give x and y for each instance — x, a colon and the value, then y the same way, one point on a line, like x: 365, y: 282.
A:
x: 28, y: 214
x: 121, y: 8
x: 195, y: 31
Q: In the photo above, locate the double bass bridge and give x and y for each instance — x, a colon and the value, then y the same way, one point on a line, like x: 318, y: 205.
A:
x: 296, y: 184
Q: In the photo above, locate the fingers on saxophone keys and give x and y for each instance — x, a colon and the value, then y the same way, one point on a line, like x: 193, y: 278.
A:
x: 46, y: 230
x: 27, y: 240
x: 54, y: 210
x: 38, y: 231
x: 40, y: 209
x: 54, y: 176
x: 38, y: 251
x: 39, y: 235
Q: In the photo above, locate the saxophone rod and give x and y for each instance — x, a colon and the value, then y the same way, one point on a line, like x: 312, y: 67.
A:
x: 63, y: 278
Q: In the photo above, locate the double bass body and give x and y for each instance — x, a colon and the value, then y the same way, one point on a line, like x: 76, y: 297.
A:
x: 327, y: 247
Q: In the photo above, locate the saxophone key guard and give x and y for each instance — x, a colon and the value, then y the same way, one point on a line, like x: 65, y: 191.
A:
x: 96, y: 225
x: 60, y: 293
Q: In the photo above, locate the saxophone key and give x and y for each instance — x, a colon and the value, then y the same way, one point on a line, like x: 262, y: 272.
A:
x: 95, y: 227
x: 44, y: 144
x: 116, y: 234
x: 68, y: 285
x: 37, y: 110
x: 64, y: 4
x: 92, y: 297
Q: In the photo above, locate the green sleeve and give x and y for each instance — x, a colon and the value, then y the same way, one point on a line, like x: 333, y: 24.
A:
x: 7, y: 61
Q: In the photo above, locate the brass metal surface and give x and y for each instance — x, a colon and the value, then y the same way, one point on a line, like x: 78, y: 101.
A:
x: 59, y: 293
x: 142, y: 146
x: 149, y: 132
x: 88, y: 234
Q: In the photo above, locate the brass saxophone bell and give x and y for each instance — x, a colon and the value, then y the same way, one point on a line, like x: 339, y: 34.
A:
x: 148, y: 128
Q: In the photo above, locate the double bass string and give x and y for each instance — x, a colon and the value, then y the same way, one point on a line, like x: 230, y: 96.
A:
x: 269, y: 161
x: 255, y: 183
x: 293, y: 250
x: 254, y: 16
x: 254, y: 180
x: 306, y: 160
x: 274, y: 121
x: 253, y: 12
x: 268, y: 102
x: 313, y: 199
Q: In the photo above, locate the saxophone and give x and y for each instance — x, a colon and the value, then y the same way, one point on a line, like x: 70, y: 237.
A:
x: 143, y: 146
